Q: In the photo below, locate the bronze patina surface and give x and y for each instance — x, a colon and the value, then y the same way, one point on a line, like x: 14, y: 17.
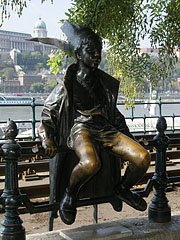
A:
x: 81, y: 114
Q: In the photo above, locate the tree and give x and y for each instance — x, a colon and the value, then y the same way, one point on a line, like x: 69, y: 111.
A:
x: 50, y: 85
x: 123, y: 23
x: 6, y: 6
x: 9, y: 73
x: 32, y: 61
x: 37, y: 88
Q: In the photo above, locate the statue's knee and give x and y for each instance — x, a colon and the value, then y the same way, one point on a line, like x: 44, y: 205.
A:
x: 92, y: 167
x: 145, y: 160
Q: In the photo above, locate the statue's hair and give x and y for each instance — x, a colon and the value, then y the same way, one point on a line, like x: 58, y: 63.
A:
x: 86, y: 35
x: 78, y: 36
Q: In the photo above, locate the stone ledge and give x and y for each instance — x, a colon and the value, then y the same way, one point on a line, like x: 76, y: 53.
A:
x: 126, y: 229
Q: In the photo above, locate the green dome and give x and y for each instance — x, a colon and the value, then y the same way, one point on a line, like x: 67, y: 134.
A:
x: 40, y: 24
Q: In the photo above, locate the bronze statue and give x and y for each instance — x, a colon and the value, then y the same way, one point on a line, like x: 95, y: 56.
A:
x: 81, y: 113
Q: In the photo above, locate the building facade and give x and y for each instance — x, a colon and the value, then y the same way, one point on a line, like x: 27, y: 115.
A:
x: 15, y: 40
x: 14, y: 43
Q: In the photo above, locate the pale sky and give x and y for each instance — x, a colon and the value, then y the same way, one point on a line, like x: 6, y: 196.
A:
x: 49, y: 13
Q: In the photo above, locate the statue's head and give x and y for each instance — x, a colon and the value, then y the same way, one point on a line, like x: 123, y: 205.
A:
x: 83, y: 43
x: 86, y: 44
x: 89, y: 48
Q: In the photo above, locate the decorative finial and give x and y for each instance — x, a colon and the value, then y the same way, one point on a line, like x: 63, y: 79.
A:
x: 161, y: 124
x: 11, y: 130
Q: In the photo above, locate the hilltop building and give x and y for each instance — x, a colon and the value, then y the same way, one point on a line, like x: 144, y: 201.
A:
x: 15, y: 40
x: 13, y: 43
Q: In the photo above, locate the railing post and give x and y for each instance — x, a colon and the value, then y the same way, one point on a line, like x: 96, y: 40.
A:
x: 132, y: 113
x: 33, y: 119
x: 160, y: 107
x: 159, y: 210
x: 95, y: 213
x: 11, y: 225
x: 173, y: 119
x: 144, y: 119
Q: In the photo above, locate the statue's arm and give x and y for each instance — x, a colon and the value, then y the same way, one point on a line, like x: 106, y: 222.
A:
x: 51, y: 41
x: 47, y: 132
x: 48, y: 129
x: 121, y: 125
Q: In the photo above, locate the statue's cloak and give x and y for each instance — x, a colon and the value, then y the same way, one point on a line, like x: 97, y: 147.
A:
x: 58, y: 111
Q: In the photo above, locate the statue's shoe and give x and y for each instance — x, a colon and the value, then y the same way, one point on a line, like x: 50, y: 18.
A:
x: 133, y: 199
x: 67, y: 210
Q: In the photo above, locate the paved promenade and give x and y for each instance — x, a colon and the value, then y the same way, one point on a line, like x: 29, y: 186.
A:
x: 127, y: 229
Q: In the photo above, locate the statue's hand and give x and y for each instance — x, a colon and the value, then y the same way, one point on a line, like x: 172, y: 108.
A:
x: 50, y: 148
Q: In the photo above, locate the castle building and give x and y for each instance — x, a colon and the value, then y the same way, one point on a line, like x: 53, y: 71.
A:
x: 13, y: 43
x: 16, y: 40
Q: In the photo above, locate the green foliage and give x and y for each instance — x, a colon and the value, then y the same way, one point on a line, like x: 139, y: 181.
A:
x: 40, y: 87
x: 50, y: 85
x: 55, y: 61
x: 58, y: 61
x: 7, y: 70
x: 9, y: 73
x: 32, y: 61
x: 5, y: 65
x: 37, y: 88
x: 124, y: 23
x: 6, y: 6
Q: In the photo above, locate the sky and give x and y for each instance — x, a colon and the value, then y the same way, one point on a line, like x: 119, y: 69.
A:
x: 49, y: 13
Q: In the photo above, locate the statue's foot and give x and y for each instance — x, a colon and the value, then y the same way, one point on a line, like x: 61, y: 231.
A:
x: 133, y: 199
x: 67, y: 209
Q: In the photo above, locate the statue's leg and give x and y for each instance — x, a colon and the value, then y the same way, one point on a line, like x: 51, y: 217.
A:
x: 89, y: 164
x: 139, y: 159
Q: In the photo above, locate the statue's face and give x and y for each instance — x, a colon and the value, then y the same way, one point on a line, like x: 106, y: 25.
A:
x: 90, y: 54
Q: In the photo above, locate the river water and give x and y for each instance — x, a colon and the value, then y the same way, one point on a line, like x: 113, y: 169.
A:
x: 24, y: 113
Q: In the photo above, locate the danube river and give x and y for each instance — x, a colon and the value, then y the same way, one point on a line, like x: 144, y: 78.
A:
x: 24, y: 113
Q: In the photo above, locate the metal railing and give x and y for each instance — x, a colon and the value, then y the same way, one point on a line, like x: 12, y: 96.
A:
x: 11, y: 199
x: 159, y: 104
x: 33, y: 120
x: 147, y: 124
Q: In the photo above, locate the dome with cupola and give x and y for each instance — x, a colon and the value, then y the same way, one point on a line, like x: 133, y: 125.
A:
x: 40, y: 29
x: 40, y: 24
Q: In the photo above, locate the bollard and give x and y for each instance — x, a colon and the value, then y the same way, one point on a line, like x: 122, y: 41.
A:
x: 159, y: 210
x: 11, y: 225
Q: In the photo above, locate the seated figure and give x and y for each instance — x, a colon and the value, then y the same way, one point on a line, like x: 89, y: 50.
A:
x: 81, y: 113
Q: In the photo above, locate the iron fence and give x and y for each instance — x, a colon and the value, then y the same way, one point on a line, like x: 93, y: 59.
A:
x: 138, y: 124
